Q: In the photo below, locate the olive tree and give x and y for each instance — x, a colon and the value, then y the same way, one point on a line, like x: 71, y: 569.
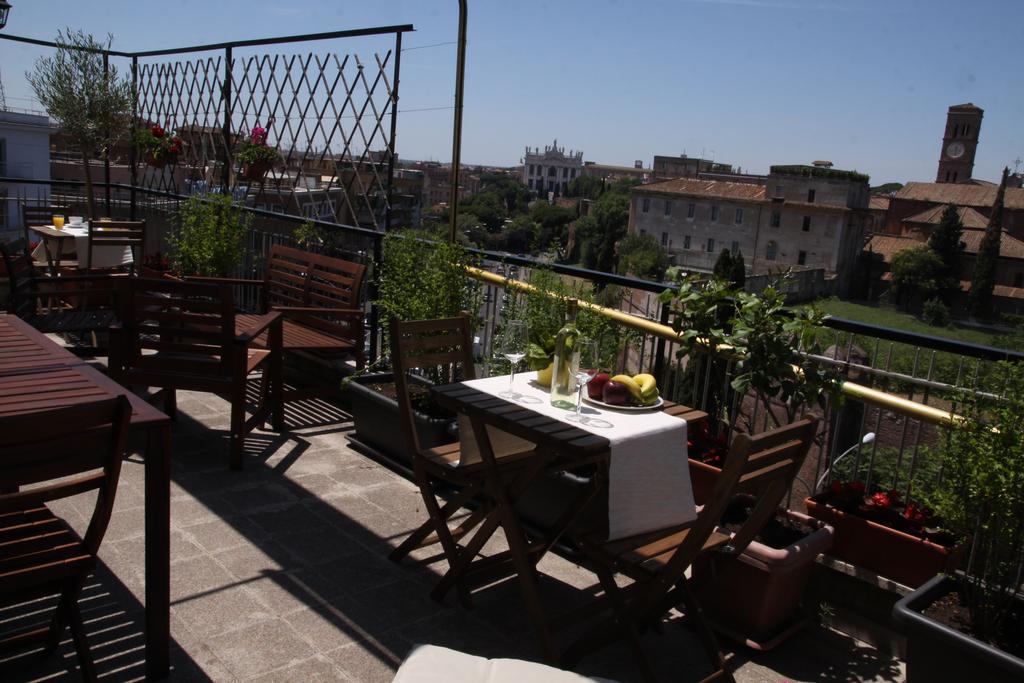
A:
x: 91, y: 103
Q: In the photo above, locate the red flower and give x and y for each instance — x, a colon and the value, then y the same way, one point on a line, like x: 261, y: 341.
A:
x: 157, y: 131
x: 857, y: 486
x: 882, y: 499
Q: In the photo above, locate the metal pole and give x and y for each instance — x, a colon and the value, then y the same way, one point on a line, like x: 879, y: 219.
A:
x: 132, y: 152
x: 460, y: 77
x: 106, y: 135
x: 226, y: 129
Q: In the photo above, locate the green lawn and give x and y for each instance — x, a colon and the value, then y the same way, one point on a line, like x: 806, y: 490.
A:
x: 888, y: 317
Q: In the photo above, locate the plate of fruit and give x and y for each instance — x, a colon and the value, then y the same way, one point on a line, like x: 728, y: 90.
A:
x: 624, y: 392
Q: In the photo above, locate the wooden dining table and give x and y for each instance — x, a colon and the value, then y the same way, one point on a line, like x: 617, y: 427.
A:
x: 560, y: 446
x: 38, y: 374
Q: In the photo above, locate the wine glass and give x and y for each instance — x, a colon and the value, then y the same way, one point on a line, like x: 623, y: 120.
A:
x: 585, y: 366
x: 513, y: 348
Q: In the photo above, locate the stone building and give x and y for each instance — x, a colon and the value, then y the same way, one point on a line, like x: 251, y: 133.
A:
x: 799, y: 216
x: 551, y: 170
x: 682, y: 166
x: 611, y: 173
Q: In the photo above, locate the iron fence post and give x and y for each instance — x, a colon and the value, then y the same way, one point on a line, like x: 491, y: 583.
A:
x: 106, y: 136
x: 226, y: 128
x: 659, y: 349
x: 132, y: 151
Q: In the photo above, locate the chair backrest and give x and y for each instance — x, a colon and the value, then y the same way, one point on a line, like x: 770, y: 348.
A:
x: 443, y: 348
x: 765, y: 463
x: 21, y: 299
x: 64, y: 452
x: 175, y: 333
x: 118, y: 233
x: 39, y: 215
x: 300, y: 278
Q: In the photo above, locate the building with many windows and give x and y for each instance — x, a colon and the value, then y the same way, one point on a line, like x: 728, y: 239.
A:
x: 24, y: 154
x: 798, y: 216
x: 551, y: 170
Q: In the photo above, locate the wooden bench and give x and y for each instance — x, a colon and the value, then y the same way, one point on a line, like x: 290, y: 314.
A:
x: 319, y: 297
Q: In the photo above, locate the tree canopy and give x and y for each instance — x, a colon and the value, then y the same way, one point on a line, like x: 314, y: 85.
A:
x: 642, y: 256
x: 91, y: 104
x: 916, y: 275
x: 946, y: 242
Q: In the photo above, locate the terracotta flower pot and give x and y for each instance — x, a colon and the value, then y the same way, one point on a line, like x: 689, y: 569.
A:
x: 703, y: 478
x: 255, y: 171
x: 755, y: 598
x: 904, y: 558
x: 156, y: 162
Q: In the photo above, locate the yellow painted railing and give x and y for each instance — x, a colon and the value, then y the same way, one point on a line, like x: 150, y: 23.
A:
x: 859, y: 392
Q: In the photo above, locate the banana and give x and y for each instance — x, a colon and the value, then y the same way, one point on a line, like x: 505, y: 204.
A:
x: 648, y: 388
x: 647, y: 383
x: 631, y: 384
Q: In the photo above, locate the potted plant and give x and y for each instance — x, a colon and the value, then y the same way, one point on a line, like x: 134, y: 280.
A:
x: 739, y: 349
x: 210, y: 236
x: 420, y: 279
x: 256, y: 156
x: 158, y: 148
x: 91, y: 103
x: 901, y: 540
x: 755, y: 597
x: 970, y: 625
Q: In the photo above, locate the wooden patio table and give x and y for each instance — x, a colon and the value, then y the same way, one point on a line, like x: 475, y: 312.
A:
x: 560, y: 446
x: 37, y: 374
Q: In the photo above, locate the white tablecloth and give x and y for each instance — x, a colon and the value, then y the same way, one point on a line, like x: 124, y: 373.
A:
x: 104, y: 256
x: 649, y: 475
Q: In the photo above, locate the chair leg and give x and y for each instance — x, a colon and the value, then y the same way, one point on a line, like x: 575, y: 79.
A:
x: 85, y: 661
x: 67, y: 607
x: 237, y: 437
x: 417, y: 537
x: 704, y: 632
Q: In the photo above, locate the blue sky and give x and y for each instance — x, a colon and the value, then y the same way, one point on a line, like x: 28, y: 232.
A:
x: 864, y: 83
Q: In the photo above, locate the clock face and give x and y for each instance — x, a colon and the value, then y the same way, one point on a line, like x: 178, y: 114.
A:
x: 955, y: 150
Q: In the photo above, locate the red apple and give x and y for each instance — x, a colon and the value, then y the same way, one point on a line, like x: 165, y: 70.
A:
x: 595, y: 387
x: 615, y: 393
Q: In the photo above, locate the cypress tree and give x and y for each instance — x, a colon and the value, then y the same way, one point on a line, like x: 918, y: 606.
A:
x: 946, y: 242
x: 984, y: 280
x: 723, y: 266
x: 739, y: 271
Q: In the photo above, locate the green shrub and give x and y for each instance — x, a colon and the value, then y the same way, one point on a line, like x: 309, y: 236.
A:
x: 210, y: 239
x: 935, y: 312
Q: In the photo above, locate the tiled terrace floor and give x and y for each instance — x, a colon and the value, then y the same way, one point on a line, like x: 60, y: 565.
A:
x: 279, y: 573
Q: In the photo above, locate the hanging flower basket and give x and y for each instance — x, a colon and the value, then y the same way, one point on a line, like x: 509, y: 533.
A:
x: 256, y: 155
x: 255, y: 171
x: 159, y: 148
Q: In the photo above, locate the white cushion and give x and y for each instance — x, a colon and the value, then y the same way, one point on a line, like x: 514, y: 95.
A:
x: 433, y: 664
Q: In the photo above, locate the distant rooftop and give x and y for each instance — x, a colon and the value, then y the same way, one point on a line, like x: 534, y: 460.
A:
x: 704, y: 188
x: 808, y: 171
x: 961, y: 194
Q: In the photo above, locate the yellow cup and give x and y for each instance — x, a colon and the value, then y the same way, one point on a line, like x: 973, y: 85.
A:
x: 58, y: 222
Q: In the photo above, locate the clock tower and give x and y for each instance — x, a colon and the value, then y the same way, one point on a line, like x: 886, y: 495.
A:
x: 956, y: 160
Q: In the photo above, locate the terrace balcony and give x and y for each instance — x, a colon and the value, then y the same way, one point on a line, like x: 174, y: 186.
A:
x: 280, y: 572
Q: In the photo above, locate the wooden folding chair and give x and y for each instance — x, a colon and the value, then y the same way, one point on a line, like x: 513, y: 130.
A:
x: 763, y: 465
x: 109, y: 233
x: 181, y: 335
x: 444, y: 346
x: 58, y: 453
